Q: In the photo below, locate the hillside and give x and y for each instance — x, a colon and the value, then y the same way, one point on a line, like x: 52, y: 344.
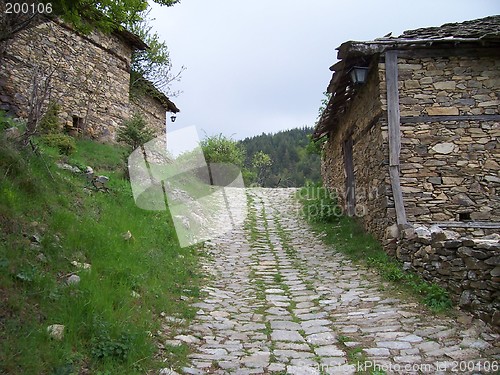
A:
x: 292, y: 165
x: 67, y: 258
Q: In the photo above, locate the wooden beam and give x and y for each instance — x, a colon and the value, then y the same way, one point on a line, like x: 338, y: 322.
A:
x: 419, y: 119
x: 350, y: 184
x: 468, y: 224
x: 446, y: 52
x: 393, y: 120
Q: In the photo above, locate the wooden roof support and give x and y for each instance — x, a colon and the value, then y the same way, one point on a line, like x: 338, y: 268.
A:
x: 393, y: 119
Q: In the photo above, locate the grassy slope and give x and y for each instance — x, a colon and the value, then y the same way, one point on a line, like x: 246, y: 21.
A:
x: 106, y: 327
x: 347, y: 236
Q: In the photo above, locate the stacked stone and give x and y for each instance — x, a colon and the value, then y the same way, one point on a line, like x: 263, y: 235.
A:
x: 449, y: 86
x: 89, y: 78
x: 469, y: 268
x: 365, y: 123
x: 152, y: 110
x: 451, y: 168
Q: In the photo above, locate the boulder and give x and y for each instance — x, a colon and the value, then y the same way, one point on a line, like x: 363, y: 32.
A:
x: 423, y: 233
x: 392, y: 232
x: 56, y: 331
x: 465, y: 298
x: 486, y: 244
x: 73, y: 280
x: 438, y: 234
x: 168, y: 371
x: 493, y: 261
x: 12, y: 133
x: 495, y: 272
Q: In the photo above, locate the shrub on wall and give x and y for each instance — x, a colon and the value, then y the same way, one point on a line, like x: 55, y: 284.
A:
x: 49, y: 123
x: 134, y: 131
x: 64, y: 143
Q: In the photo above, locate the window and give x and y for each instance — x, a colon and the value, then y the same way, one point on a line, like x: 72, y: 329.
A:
x: 77, y: 122
x: 464, y: 216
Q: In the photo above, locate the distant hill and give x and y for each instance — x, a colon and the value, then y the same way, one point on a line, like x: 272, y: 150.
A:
x: 292, y: 165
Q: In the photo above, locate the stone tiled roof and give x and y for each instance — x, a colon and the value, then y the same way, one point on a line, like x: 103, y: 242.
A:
x: 155, y: 93
x: 484, y: 32
x: 488, y: 27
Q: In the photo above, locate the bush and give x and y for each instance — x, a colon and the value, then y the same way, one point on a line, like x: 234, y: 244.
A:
x: 6, y: 121
x: 49, y: 123
x: 320, y: 205
x: 64, y: 143
x: 220, y: 149
x: 135, y: 132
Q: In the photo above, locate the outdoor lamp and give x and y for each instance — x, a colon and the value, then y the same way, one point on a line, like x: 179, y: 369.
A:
x: 173, y: 117
x: 358, y: 74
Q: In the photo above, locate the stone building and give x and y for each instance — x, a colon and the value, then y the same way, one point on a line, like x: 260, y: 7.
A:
x: 88, y: 76
x: 418, y: 141
x: 413, y: 152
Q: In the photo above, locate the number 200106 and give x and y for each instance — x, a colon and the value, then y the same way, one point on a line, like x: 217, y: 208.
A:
x: 25, y: 8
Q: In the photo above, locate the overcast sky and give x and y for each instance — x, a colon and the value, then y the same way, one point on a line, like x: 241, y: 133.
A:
x: 259, y: 66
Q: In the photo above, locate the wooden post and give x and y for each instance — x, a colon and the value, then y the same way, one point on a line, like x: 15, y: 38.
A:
x: 349, y: 181
x: 393, y: 119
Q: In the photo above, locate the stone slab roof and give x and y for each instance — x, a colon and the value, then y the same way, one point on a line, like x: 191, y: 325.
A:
x: 483, y: 32
x: 488, y: 27
x: 155, y: 93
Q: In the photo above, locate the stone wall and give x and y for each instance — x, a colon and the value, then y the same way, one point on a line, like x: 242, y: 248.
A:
x: 153, y: 111
x: 449, y: 172
x: 369, y: 133
x: 88, y: 76
x: 450, y: 169
x: 469, y: 268
x: 456, y: 85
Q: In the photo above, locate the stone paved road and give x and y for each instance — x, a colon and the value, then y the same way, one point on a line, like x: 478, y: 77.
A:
x: 279, y: 301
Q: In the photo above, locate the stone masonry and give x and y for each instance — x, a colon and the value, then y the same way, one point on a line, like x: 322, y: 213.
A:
x: 468, y: 267
x: 364, y: 124
x: 446, y: 158
x: 450, y: 169
x: 87, y: 75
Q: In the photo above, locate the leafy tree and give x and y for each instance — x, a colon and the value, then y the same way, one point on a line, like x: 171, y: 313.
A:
x: 261, y: 162
x: 220, y: 149
x: 291, y: 164
x: 316, y: 146
x: 85, y: 15
x: 50, y: 122
x: 153, y: 64
x: 324, y: 102
x: 135, y: 132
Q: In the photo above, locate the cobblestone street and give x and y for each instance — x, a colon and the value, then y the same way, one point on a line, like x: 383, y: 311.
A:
x: 279, y: 301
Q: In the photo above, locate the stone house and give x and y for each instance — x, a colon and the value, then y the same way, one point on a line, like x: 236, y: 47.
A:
x: 87, y: 75
x: 418, y: 141
x: 413, y: 152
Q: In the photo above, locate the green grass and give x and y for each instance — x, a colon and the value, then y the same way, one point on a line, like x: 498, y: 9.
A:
x: 106, y: 328
x: 347, y: 236
x: 251, y: 220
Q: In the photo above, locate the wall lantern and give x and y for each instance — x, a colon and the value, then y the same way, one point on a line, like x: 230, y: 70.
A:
x: 173, y: 118
x: 358, y: 74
